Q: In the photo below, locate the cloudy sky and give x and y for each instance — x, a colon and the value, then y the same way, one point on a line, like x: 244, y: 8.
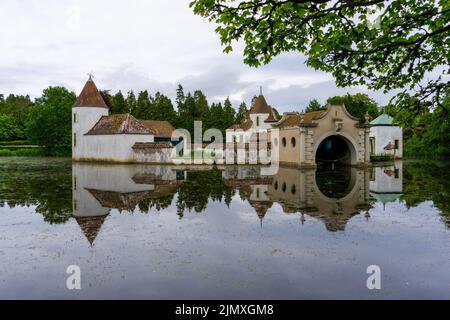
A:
x: 141, y: 44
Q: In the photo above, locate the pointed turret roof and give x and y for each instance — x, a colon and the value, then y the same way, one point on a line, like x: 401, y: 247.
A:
x: 260, y: 106
x: 90, y: 226
x: 90, y: 96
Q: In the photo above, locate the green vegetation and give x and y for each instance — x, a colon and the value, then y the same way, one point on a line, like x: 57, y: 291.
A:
x: 426, y: 132
x: 49, y: 121
x: 356, y: 104
x: 384, y: 45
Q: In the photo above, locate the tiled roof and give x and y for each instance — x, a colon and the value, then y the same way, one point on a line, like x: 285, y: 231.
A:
x: 272, y: 117
x: 119, y: 124
x: 300, y: 118
x: 90, y: 226
x: 90, y: 97
x: 152, y: 145
x: 245, y: 125
x: 260, y: 106
x: 161, y: 129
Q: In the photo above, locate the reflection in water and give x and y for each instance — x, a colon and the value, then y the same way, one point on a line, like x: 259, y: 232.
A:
x: 223, y: 232
x: 386, y: 182
x: 335, y: 182
x: 99, y: 188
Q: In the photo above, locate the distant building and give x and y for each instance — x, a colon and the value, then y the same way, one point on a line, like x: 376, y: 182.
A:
x: 386, y: 137
x: 99, y: 136
x: 303, y: 139
x: 256, y: 123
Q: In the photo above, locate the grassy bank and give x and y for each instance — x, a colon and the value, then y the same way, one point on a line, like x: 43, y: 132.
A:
x: 20, y: 148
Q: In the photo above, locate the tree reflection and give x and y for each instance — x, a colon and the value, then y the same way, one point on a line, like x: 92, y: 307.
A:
x: 428, y: 180
x: 46, y: 184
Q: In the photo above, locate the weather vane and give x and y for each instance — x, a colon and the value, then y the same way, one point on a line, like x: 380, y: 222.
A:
x: 90, y: 75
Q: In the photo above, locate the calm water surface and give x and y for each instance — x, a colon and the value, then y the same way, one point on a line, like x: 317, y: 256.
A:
x: 227, y: 232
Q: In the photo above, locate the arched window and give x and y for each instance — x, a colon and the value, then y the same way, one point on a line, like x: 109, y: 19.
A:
x: 293, y: 189
x: 283, y: 187
x: 293, y: 142
x: 276, y: 185
x: 283, y: 141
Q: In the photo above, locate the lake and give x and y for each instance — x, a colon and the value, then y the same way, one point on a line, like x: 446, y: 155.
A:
x: 174, y: 232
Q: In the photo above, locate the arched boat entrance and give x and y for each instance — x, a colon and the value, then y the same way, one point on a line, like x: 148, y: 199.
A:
x: 335, y: 149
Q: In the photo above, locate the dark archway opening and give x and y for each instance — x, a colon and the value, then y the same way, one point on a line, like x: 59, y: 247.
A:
x: 333, y: 150
x: 334, y: 183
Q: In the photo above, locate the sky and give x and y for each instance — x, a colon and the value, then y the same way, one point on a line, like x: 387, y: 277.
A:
x: 142, y: 44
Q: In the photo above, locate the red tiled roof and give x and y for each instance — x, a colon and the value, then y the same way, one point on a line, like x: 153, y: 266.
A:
x: 119, y: 124
x: 90, y: 97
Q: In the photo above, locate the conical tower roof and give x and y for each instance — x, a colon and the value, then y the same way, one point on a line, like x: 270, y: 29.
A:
x: 260, y: 106
x: 90, y: 96
x: 90, y: 226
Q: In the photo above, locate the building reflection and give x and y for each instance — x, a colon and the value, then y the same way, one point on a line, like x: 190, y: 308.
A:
x: 333, y: 196
x: 386, y: 183
x: 99, y: 188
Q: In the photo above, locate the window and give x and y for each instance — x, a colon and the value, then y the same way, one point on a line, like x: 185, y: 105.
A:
x: 74, y: 118
x: 74, y: 140
x: 396, y: 144
x: 257, y: 193
x: 372, y: 145
x: 293, y: 142
x: 75, y: 183
x: 396, y: 174
x: 283, y: 187
x: 293, y: 189
x: 257, y: 121
x: 276, y: 185
x: 283, y: 141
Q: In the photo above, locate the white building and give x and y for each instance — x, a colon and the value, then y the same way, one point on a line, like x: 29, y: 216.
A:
x: 386, y: 137
x: 255, y: 126
x: 98, y: 136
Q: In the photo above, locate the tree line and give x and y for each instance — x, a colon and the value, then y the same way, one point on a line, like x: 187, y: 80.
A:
x: 46, y: 121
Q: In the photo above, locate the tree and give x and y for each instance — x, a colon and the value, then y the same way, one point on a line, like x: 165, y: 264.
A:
x: 384, y: 44
x: 49, y: 121
x: 357, y: 105
x: 9, y: 130
x: 119, y: 104
x: 17, y: 107
x: 314, y: 105
x: 242, y: 112
x: 131, y: 102
x: 161, y: 108
x: 228, y: 115
x: 142, y: 107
